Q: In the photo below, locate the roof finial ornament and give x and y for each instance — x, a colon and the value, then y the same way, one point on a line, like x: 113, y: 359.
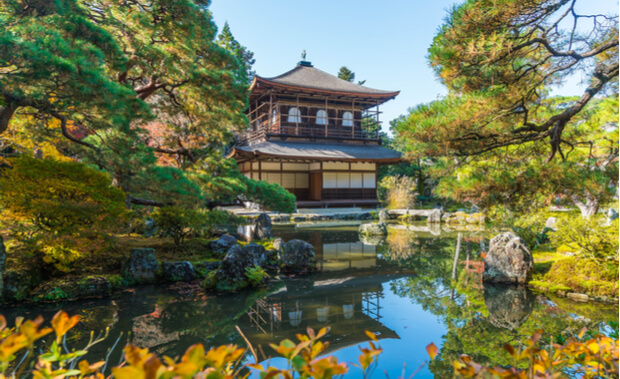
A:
x: 303, y: 61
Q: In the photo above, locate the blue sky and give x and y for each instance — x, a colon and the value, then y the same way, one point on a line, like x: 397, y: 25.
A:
x: 384, y: 43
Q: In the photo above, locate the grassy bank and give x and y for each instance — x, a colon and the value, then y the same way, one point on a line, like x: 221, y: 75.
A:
x: 562, y: 273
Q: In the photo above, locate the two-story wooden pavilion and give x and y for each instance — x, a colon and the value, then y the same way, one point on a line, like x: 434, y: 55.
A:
x: 316, y: 135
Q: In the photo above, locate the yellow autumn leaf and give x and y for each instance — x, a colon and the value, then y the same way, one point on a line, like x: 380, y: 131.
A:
x: 128, y: 372
x: 62, y: 323
x: 432, y: 350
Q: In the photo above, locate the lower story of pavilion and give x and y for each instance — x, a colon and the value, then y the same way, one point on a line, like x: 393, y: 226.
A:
x: 321, y: 177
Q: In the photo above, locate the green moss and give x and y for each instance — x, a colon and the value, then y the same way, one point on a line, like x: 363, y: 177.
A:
x: 583, y: 275
x: 548, y: 287
x: 210, y: 280
x: 117, y: 281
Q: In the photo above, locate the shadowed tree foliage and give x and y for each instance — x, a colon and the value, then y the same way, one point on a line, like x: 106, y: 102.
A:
x: 142, y: 90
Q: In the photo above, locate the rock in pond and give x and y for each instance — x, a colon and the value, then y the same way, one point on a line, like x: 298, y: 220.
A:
x: 277, y: 243
x: 383, y: 215
x: 508, y: 260
x: 257, y: 252
x: 142, y: 266
x: 262, y: 230
x: 235, y: 262
x: 298, y: 257
x: 373, y: 229
x: 434, y: 217
x: 178, y: 271
x: 221, y: 245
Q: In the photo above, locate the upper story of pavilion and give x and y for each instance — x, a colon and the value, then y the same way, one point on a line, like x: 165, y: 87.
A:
x: 307, y: 104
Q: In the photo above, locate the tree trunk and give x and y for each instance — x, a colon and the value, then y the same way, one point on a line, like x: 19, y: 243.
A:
x: 589, y: 208
x: 6, y: 113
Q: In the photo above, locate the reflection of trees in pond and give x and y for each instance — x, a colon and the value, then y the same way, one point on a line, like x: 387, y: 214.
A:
x: 479, y: 320
x: 401, y: 244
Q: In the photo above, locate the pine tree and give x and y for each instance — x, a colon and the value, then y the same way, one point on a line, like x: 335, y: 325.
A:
x: 226, y: 40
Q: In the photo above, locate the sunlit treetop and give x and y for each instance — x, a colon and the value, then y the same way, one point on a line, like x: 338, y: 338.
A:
x: 499, y: 60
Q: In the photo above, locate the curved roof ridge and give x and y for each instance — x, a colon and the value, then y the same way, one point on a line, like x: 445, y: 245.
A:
x: 311, y: 77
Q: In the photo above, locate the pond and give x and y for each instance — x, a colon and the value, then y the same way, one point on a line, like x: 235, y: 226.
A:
x: 418, y: 286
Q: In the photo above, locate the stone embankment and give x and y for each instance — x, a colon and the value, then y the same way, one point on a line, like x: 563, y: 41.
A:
x: 241, y: 264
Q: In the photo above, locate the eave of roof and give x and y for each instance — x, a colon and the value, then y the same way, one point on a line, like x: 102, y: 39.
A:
x: 319, y: 152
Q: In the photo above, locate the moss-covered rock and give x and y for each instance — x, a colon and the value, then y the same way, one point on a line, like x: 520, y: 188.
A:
x: 178, y: 271
x: 73, y: 288
x: 298, y: 257
x: 19, y: 283
x: 142, y: 266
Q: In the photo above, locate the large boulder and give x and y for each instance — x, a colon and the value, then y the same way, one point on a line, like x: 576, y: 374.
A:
x: 508, y: 260
x: 235, y: 262
x: 373, y: 229
x: 142, y: 266
x: 383, y: 215
x: 221, y: 245
x: 277, y: 243
x: 298, y: 257
x: 178, y: 271
x: 257, y: 252
x: 434, y: 217
x: 262, y: 229
x: 509, y: 306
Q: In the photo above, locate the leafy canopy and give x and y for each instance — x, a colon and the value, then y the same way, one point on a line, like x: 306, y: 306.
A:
x: 498, y: 60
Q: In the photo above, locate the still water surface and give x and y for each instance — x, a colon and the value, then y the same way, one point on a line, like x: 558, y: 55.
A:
x: 418, y: 286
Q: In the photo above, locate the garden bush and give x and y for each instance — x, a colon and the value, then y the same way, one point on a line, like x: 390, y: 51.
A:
x: 590, y: 238
x: 178, y: 222
x: 397, y: 192
x: 59, y: 213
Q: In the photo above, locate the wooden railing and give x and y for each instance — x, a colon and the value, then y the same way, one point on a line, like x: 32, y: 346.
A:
x: 310, y: 131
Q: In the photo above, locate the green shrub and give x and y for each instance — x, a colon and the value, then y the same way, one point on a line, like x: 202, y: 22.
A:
x: 178, y: 222
x: 271, y: 196
x: 590, y: 238
x: 256, y: 276
x: 217, y: 218
x: 59, y: 213
x: 397, y: 192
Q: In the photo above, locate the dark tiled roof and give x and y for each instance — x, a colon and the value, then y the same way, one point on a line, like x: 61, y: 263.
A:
x: 310, y: 77
x: 321, y: 151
